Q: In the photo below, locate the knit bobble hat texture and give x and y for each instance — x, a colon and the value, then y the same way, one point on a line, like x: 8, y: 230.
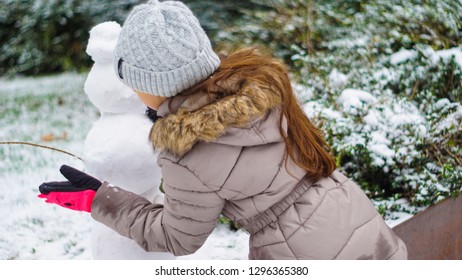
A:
x: 162, y: 49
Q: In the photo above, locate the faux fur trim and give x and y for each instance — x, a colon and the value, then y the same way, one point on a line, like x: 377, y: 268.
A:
x: 178, y: 132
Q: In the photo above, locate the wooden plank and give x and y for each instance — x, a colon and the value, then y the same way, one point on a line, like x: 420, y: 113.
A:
x: 435, y: 233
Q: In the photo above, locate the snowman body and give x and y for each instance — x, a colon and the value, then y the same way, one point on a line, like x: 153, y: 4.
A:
x: 117, y: 149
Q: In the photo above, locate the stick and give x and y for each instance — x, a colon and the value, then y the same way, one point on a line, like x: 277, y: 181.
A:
x: 39, y: 146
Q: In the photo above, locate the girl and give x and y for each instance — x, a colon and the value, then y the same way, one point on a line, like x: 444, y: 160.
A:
x: 233, y: 141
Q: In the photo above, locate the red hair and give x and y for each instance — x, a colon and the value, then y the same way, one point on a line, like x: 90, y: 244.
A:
x: 305, y: 144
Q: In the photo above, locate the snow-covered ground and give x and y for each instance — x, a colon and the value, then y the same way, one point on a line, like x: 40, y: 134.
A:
x: 54, y: 111
x: 57, y: 108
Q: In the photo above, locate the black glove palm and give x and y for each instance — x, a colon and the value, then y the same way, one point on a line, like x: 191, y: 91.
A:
x: 76, y: 194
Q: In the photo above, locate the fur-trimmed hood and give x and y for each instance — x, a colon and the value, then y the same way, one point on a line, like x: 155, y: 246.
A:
x: 238, y: 119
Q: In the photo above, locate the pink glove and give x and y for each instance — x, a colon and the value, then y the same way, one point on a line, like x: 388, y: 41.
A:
x: 76, y: 194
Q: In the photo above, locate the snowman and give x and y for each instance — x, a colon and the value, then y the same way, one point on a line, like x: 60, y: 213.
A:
x: 117, y: 148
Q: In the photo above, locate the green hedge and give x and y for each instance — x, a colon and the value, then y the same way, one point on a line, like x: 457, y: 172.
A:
x: 407, y: 143
x: 48, y: 36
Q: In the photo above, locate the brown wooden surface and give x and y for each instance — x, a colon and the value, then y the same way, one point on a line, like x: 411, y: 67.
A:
x: 435, y: 233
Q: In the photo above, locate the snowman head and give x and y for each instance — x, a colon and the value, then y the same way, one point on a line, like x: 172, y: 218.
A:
x: 102, y: 42
x: 102, y: 86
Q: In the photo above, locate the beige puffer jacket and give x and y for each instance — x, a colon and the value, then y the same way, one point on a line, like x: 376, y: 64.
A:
x: 227, y: 157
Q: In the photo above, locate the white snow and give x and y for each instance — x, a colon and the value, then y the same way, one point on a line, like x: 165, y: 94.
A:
x: 33, y: 229
x: 353, y: 99
x: 449, y: 53
x: 385, y: 75
x: 405, y: 118
x: 383, y: 154
x: 302, y: 92
x: 430, y: 53
x: 402, y: 56
x: 30, y: 228
x: 434, y: 56
x: 452, y: 120
x: 440, y: 104
x: 337, y: 79
x: 348, y: 43
x: 313, y: 108
x: 397, y: 218
x: 223, y: 244
x: 372, y: 119
x: 33, y: 86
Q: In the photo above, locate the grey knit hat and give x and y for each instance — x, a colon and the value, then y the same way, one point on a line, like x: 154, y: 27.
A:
x: 162, y: 49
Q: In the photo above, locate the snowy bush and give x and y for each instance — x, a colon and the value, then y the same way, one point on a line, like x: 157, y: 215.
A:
x: 383, y: 80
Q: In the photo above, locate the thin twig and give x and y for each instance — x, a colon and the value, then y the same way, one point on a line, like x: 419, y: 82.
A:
x: 415, y: 89
x: 309, y: 27
x: 39, y: 146
x: 453, y: 156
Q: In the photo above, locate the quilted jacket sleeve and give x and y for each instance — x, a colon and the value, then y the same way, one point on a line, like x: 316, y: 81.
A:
x: 180, y: 226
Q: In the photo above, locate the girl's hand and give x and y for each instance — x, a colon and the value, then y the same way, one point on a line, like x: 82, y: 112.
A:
x: 76, y: 194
